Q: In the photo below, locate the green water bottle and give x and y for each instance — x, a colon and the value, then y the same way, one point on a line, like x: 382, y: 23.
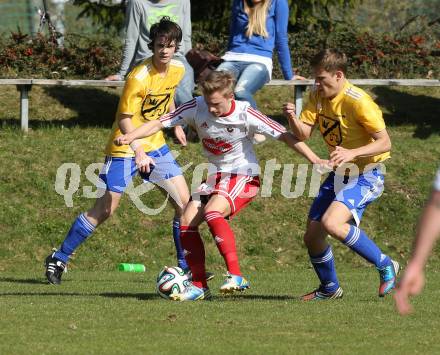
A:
x: 131, y: 267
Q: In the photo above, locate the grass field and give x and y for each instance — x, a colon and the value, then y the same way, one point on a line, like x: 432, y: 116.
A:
x: 98, y: 310
x: 118, y: 313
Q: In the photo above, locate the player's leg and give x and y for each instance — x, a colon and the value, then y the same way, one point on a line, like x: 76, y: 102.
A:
x: 177, y: 189
x: 320, y: 251
x: 116, y: 175
x: 323, y: 262
x: 194, y: 253
x: 347, y: 208
x: 231, y: 193
x: 83, y: 226
x: 215, y: 212
x: 192, y: 243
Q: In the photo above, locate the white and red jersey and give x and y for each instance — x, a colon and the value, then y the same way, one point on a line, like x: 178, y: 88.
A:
x: 227, y: 140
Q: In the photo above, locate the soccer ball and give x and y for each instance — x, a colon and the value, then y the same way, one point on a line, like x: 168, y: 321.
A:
x: 171, y: 280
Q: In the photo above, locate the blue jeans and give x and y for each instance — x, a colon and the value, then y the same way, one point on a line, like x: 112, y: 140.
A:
x: 184, y: 91
x: 250, y: 78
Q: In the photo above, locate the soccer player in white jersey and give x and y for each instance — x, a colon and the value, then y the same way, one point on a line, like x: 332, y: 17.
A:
x: 226, y: 128
x: 428, y: 232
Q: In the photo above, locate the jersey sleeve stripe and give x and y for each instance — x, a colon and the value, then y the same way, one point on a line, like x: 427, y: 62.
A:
x: 178, y: 111
x: 271, y: 123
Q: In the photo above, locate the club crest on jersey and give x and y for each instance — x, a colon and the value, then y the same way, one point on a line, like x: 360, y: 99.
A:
x: 331, y: 130
x: 216, y: 147
x: 155, y: 106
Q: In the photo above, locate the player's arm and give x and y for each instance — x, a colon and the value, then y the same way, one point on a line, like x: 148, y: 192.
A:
x: 142, y: 160
x: 172, y: 119
x: 125, y: 124
x: 428, y: 231
x: 260, y: 123
x: 179, y: 133
x: 146, y: 130
x: 301, y: 148
x: 300, y: 129
x: 381, y: 144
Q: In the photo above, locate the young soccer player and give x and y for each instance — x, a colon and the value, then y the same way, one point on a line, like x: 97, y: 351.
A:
x: 147, y: 95
x: 413, y: 279
x: 226, y: 128
x: 354, y: 131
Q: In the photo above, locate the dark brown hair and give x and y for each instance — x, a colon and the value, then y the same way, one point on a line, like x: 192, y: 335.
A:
x: 167, y: 28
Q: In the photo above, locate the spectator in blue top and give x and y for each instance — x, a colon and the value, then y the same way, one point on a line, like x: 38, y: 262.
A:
x: 257, y: 27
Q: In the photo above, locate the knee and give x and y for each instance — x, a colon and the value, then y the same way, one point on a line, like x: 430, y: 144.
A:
x: 331, y: 225
x: 184, y: 220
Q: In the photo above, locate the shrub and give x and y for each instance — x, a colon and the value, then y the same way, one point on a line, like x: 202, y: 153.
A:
x: 39, y: 57
x: 370, y: 55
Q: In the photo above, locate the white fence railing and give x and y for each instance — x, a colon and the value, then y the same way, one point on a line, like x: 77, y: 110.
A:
x: 25, y: 85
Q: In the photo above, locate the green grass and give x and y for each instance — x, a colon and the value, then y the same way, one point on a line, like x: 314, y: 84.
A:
x: 71, y: 125
x: 99, y: 311
x: 118, y: 313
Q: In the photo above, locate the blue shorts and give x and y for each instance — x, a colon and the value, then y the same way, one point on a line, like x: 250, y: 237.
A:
x: 117, y: 173
x: 356, y: 192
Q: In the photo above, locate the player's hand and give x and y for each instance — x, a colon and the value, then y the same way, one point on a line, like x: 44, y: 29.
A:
x: 289, y: 110
x: 341, y: 155
x: 114, y: 77
x: 180, y: 135
x: 298, y: 77
x: 323, y: 166
x: 411, y: 284
x: 143, y: 160
x: 123, y: 140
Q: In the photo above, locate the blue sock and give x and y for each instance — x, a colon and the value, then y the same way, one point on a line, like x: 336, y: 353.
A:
x: 358, y: 241
x: 179, y: 250
x: 324, y: 265
x: 78, y: 233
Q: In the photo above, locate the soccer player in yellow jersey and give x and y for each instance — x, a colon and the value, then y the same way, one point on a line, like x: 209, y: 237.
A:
x: 147, y: 95
x: 354, y: 131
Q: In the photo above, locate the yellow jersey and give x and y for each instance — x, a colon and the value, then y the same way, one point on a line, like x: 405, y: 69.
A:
x: 147, y: 96
x: 347, y: 120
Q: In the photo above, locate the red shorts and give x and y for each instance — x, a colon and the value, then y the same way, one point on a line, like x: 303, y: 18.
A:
x: 239, y: 190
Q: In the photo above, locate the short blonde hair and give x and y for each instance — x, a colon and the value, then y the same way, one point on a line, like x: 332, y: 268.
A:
x: 257, y: 15
x: 216, y: 81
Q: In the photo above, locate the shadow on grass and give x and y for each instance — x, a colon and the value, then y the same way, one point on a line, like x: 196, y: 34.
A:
x: 138, y: 296
x: 419, y: 110
x: 257, y: 297
x: 93, y: 108
x: 24, y: 281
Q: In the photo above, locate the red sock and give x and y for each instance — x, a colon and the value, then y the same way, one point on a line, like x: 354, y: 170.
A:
x: 194, y: 252
x: 224, y: 239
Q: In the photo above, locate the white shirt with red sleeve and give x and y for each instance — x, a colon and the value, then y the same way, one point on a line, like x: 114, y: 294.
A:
x: 227, y: 140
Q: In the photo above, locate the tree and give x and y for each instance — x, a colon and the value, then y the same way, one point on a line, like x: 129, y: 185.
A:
x: 213, y: 16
